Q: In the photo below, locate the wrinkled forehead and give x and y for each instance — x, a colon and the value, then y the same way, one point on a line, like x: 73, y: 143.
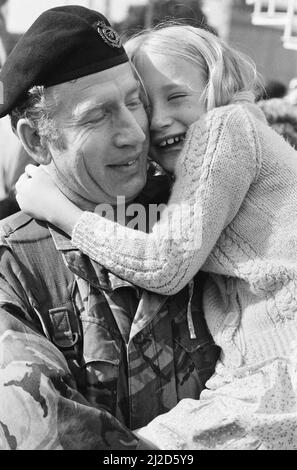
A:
x: 111, y: 85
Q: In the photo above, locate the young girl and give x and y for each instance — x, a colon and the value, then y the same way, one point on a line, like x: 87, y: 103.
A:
x: 232, y: 213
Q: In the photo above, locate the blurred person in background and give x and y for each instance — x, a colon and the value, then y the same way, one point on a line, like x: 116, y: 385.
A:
x: 13, y: 157
x: 281, y: 115
x: 273, y: 89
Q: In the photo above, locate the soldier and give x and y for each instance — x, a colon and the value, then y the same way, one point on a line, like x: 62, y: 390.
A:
x: 86, y: 358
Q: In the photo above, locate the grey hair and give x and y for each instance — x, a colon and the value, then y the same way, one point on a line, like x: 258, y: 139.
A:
x: 39, y: 112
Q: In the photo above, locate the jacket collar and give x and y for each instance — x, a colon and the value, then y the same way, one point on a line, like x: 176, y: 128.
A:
x: 61, y: 240
x: 83, y: 266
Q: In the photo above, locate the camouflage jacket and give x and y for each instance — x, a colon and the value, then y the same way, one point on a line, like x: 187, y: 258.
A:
x: 84, y: 381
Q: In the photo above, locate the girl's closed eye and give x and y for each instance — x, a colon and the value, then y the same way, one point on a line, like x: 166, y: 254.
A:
x: 177, y: 96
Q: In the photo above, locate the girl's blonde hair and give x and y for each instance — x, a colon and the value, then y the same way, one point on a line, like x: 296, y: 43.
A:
x: 228, y: 73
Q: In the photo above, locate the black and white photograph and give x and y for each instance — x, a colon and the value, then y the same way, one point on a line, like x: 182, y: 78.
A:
x: 148, y: 228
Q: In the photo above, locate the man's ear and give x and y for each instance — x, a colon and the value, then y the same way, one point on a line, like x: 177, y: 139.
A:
x: 32, y: 142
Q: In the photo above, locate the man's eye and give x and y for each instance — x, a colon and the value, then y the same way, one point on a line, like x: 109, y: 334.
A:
x: 134, y: 103
x: 98, y: 117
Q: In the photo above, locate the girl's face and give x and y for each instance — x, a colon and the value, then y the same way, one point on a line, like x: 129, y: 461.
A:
x: 174, y: 86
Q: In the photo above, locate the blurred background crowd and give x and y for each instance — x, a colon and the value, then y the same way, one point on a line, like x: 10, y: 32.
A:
x: 265, y: 30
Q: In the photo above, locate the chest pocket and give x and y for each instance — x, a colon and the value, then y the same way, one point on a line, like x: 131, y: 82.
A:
x: 101, y: 359
x: 101, y: 349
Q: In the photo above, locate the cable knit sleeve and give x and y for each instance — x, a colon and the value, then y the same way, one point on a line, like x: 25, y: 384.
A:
x: 219, y: 161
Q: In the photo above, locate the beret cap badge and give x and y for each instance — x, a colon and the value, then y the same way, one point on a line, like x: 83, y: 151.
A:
x: 108, y: 34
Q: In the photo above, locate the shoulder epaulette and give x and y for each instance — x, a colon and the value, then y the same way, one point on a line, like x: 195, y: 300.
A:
x: 14, y: 222
x: 21, y: 227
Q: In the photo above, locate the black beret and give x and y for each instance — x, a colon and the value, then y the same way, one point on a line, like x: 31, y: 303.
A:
x: 63, y: 44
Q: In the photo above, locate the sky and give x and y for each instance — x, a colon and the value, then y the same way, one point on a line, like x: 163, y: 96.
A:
x: 22, y: 13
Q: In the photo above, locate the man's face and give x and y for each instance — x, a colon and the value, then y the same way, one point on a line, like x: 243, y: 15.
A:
x: 105, y: 131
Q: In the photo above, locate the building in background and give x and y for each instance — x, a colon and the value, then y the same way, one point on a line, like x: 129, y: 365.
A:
x: 262, y: 43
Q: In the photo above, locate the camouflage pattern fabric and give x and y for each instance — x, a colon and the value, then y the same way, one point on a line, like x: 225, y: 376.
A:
x: 137, y: 359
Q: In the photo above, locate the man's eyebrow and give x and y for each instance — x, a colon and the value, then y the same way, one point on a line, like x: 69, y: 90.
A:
x: 83, y: 111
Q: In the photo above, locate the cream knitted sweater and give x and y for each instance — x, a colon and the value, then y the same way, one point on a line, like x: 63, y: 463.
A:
x: 232, y: 212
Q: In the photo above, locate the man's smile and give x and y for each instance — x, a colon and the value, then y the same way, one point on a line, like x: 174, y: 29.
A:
x: 129, y: 165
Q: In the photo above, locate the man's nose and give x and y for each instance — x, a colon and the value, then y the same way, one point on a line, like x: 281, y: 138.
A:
x: 160, y: 118
x: 129, y: 130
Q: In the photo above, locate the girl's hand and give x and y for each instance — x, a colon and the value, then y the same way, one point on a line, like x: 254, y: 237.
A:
x: 38, y: 196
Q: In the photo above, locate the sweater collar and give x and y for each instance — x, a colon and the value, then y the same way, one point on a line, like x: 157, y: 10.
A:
x: 243, y: 96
